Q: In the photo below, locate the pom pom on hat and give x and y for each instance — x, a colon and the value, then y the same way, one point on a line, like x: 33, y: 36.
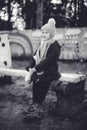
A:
x: 51, y: 22
x: 50, y: 27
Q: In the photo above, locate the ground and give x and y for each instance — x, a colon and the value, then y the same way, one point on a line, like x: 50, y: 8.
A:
x: 14, y: 98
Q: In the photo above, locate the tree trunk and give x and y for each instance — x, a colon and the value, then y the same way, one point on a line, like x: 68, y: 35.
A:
x: 39, y: 20
x: 9, y: 14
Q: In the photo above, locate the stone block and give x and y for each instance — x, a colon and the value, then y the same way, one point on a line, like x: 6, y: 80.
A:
x: 69, y: 94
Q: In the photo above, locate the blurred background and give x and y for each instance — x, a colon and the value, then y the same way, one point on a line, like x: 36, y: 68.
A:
x: 32, y: 14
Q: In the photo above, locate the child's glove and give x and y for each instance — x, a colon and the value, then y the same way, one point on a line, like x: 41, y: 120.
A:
x: 28, y: 77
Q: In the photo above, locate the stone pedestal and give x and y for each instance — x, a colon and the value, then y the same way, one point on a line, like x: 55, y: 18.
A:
x: 5, y: 58
x: 69, y: 95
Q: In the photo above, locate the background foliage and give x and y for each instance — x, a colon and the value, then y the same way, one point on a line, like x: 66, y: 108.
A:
x: 32, y: 14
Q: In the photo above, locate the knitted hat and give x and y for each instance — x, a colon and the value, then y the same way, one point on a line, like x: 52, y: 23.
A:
x: 50, y: 27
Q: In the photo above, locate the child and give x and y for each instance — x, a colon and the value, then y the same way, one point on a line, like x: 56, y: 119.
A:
x: 44, y: 67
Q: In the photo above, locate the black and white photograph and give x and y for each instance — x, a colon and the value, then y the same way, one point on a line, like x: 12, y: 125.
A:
x: 43, y: 64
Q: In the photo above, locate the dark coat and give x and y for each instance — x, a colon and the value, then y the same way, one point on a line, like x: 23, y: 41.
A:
x: 49, y: 65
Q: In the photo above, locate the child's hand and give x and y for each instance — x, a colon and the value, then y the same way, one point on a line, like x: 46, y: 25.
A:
x: 28, y: 77
x: 32, y: 70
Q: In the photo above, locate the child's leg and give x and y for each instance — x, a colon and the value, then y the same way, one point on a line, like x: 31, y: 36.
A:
x: 40, y: 90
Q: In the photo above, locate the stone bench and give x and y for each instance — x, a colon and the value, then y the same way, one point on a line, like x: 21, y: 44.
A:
x: 70, y: 93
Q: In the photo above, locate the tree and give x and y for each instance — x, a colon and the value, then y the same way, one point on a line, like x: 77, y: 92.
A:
x: 29, y: 13
x: 82, y: 14
x: 9, y: 14
x: 39, y: 18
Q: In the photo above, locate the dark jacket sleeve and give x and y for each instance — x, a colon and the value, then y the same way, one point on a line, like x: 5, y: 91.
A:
x: 51, y: 57
x: 31, y: 63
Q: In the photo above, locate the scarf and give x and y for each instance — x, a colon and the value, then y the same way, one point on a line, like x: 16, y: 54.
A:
x: 42, y: 50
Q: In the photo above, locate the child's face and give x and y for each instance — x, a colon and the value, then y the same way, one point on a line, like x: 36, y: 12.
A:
x: 45, y: 35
